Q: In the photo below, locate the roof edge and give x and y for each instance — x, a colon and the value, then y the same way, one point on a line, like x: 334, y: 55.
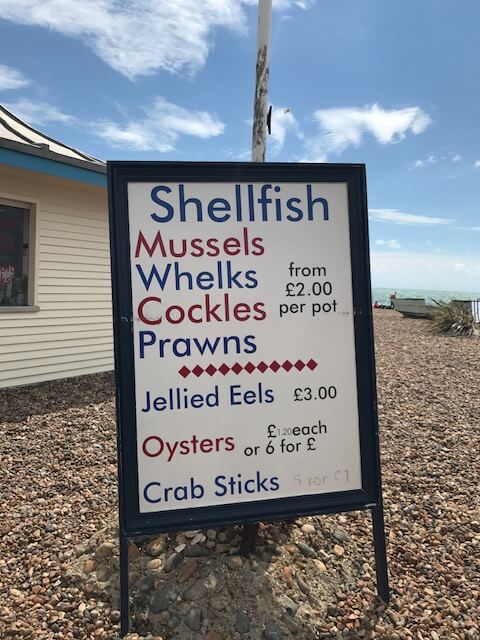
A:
x: 41, y: 152
x: 13, y: 116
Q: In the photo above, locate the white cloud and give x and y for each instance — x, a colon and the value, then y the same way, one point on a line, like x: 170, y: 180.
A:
x: 11, y: 78
x: 398, y: 217
x: 142, y: 37
x: 389, y: 244
x: 285, y: 4
x: 477, y: 164
x: 243, y: 155
x: 435, y: 158
x: 346, y: 126
x: 283, y: 121
x: 469, y: 228
x: 38, y: 113
x: 430, y: 159
x: 159, y: 130
x: 422, y: 270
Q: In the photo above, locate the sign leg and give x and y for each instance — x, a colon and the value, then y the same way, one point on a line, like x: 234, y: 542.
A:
x: 247, y: 543
x: 124, y: 594
x: 381, y: 569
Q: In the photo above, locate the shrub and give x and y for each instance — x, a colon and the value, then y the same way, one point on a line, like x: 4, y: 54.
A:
x: 454, y: 318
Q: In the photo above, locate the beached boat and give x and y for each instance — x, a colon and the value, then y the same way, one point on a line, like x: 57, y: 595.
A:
x: 412, y: 307
x: 418, y: 308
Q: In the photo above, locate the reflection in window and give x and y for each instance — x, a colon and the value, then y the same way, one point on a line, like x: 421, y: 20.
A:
x: 14, y: 255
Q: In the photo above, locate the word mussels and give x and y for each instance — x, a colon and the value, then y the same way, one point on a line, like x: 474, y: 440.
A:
x: 245, y: 207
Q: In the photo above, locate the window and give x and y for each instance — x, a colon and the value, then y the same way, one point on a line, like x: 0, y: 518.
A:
x: 14, y: 256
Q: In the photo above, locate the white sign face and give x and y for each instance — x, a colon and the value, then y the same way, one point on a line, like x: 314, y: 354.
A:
x: 245, y: 374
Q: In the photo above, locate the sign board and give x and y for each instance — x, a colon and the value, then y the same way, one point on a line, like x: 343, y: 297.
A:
x: 243, y: 342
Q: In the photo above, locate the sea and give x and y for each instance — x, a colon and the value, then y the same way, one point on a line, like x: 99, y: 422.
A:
x: 382, y: 295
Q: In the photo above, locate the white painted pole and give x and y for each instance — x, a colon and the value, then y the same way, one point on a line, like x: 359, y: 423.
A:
x: 259, y: 143
x: 259, y: 133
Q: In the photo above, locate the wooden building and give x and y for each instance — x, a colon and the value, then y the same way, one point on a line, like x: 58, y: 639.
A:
x: 55, y: 299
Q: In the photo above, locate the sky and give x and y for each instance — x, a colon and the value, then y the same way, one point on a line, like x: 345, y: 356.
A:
x: 394, y: 85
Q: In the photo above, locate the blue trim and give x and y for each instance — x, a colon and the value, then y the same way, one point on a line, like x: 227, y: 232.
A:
x: 51, y: 167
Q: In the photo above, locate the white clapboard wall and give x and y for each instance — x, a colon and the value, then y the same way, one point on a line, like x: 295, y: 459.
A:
x: 71, y: 333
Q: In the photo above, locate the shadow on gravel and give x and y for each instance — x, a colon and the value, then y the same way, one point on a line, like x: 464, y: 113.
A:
x: 189, y: 584
x: 19, y: 403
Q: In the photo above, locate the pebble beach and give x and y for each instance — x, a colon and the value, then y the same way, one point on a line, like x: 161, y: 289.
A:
x: 308, y: 579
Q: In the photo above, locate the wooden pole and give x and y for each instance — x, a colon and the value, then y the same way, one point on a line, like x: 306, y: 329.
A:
x: 260, y: 106
x: 259, y: 143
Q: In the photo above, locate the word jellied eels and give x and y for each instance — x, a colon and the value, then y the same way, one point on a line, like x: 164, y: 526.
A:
x: 246, y: 207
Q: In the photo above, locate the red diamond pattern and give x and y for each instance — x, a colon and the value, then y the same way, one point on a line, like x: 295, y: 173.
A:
x: 250, y: 367
x: 262, y: 367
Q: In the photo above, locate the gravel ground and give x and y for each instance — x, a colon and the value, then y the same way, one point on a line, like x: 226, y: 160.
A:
x: 310, y: 579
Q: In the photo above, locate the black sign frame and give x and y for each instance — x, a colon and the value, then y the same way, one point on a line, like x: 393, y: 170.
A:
x: 132, y: 522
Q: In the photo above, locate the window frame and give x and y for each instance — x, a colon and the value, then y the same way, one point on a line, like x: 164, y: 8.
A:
x: 31, y: 207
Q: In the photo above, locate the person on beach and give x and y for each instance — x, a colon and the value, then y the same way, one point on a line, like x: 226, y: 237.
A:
x: 393, y: 296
